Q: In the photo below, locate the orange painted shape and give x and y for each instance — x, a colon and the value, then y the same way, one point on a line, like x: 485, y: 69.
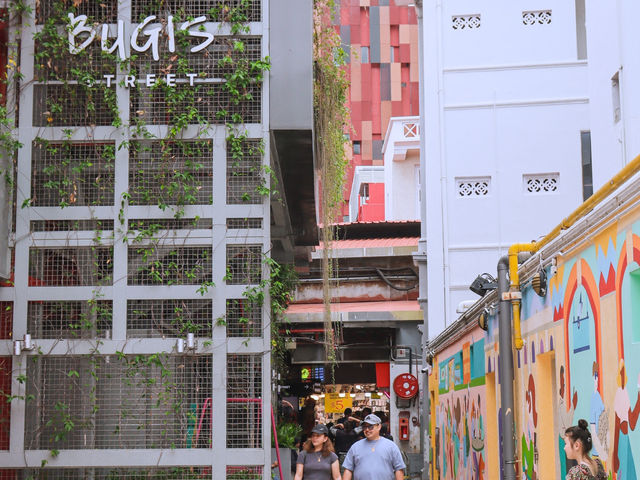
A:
x: 466, y: 362
x: 608, y: 285
x: 622, y: 266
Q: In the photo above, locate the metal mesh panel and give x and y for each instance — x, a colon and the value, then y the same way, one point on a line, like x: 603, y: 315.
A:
x: 5, y: 406
x: 218, y: 60
x: 142, y: 401
x: 213, y: 9
x: 242, y: 223
x: 201, y: 103
x: 244, y: 401
x: 242, y: 472
x: 9, y: 282
x: 168, y: 318
x: 104, y: 11
x: 155, y: 224
x: 73, y: 225
x: 72, y: 105
x: 6, y: 320
x: 54, y: 62
x: 244, y: 264
x: 147, y: 473
x: 178, y: 173
x: 69, y: 319
x: 244, y: 173
x: 243, y: 318
x: 161, y: 265
x: 10, y: 475
x: 80, y: 266
x: 77, y: 174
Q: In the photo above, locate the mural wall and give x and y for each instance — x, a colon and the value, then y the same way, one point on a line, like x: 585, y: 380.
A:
x: 460, y: 413
x: 581, y: 359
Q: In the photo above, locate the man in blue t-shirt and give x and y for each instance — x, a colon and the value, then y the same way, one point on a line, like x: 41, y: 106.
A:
x: 374, y: 457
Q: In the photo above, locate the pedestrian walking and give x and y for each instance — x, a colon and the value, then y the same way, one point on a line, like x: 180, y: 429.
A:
x: 374, y: 457
x: 577, y: 445
x: 317, y: 460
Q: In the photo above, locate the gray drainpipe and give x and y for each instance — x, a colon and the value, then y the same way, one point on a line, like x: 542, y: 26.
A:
x: 505, y: 372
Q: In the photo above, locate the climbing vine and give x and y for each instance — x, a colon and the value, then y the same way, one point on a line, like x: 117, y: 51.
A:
x: 331, y: 123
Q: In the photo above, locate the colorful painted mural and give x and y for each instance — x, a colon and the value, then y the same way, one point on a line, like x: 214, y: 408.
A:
x: 581, y: 359
x: 460, y: 413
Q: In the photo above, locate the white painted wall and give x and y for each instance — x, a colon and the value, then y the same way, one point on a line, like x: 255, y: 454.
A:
x: 502, y: 101
x: 401, y: 158
x: 612, y: 47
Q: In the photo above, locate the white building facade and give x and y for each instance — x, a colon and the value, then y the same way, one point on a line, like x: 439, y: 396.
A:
x: 401, y: 153
x: 507, y: 92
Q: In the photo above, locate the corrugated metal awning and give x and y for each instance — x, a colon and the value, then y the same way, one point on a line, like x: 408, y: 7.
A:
x: 388, y: 311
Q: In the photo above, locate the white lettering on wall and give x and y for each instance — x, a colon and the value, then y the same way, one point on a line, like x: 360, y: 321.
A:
x: 152, y: 33
x: 109, y: 78
x: 118, y: 43
x: 198, y: 33
x: 150, y: 28
x: 78, y: 26
x: 151, y: 79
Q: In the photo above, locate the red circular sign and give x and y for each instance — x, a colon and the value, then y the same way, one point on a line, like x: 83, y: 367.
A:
x: 405, y: 385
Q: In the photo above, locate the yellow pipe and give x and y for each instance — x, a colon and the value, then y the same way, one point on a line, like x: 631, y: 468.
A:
x: 514, y: 291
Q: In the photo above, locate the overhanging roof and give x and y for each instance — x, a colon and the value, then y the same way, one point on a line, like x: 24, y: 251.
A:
x: 388, y: 311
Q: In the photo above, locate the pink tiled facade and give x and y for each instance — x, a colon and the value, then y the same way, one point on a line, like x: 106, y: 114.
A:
x: 382, y: 41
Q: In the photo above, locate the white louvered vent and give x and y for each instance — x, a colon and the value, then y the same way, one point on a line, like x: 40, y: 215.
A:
x: 465, y: 22
x: 540, y: 183
x: 536, y: 17
x: 473, y: 186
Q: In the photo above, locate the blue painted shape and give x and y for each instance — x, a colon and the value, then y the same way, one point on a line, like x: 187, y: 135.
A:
x: 580, y: 328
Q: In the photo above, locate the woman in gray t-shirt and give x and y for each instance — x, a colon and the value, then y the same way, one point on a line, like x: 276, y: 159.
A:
x: 317, y: 461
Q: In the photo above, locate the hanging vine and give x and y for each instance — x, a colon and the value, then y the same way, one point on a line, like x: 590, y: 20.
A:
x: 331, y: 124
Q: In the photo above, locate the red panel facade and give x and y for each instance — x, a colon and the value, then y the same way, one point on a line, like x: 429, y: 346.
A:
x: 373, y: 210
x: 367, y: 100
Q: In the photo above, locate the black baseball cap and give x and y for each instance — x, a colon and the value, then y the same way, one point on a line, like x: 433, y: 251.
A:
x: 320, y: 429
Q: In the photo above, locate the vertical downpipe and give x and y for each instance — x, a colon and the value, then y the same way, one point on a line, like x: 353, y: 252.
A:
x: 505, y: 371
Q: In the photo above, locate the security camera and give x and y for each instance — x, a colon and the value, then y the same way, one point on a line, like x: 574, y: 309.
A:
x: 426, y: 369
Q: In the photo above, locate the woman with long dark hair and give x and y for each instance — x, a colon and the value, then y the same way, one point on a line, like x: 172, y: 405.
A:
x: 317, y: 460
x: 577, y: 445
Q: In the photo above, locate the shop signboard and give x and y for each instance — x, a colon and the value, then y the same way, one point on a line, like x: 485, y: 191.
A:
x: 334, y: 403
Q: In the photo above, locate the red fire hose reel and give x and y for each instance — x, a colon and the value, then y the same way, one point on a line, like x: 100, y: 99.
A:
x: 405, y: 386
